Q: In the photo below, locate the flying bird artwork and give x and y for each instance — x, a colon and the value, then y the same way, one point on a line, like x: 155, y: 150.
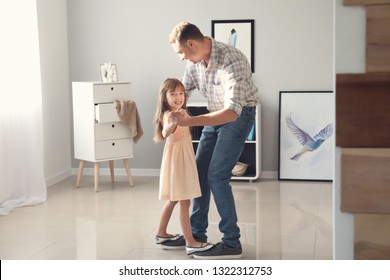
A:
x: 309, y: 144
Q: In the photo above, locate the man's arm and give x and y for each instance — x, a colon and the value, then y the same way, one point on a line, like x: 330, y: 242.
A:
x: 215, y: 118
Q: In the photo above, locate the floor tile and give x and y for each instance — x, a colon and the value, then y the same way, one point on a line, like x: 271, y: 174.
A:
x: 278, y: 220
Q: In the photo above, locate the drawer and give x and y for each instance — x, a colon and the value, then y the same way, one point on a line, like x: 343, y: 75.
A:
x: 106, y: 112
x: 105, y: 93
x: 113, y: 130
x: 120, y: 148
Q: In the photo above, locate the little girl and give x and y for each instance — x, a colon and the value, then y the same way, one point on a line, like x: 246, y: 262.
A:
x: 178, y: 175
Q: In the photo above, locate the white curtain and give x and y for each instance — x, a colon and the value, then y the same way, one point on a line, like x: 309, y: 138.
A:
x: 22, y: 181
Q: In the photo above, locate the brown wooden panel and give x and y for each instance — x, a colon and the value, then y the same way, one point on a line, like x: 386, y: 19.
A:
x: 363, y: 110
x: 364, y: 2
x: 365, y: 180
x: 378, y: 38
x: 378, y: 24
x: 377, y: 58
x: 371, y: 238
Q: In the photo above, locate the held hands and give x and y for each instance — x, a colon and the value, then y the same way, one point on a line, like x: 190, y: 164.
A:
x: 180, y: 117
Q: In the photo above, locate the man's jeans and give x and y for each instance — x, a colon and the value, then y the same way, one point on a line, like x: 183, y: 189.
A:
x: 218, y: 151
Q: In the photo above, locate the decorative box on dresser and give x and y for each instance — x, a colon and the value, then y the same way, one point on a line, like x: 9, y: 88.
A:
x: 99, y: 135
x: 251, y: 154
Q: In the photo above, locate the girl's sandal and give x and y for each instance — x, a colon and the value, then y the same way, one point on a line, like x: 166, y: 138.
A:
x: 204, y: 247
x: 162, y: 239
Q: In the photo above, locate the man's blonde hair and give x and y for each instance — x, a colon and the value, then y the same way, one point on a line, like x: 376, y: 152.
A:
x: 185, y: 31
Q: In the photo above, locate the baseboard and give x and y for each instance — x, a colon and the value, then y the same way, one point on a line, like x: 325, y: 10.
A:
x: 58, y: 177
x: 269, y: 175
x: 120, y: 172
x: 152, y: 172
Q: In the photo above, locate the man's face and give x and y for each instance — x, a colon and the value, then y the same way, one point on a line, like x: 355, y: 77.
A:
x: 186, y: 51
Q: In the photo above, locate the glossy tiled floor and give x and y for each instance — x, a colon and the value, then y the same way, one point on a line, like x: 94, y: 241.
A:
x: 278, y: 220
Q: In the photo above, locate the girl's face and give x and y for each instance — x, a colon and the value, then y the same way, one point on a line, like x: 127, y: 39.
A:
x: 176, y: 98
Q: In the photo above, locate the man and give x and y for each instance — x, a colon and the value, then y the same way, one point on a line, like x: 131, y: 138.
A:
x: 223, y: 75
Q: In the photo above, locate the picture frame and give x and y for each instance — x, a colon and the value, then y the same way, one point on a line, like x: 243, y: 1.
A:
x: 306, y: 135
x: 108, y: 73
x: 239, y: 33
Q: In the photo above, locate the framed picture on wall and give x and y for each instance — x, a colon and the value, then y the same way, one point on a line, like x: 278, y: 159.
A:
x: 238, y: 33
x: 306, y: 135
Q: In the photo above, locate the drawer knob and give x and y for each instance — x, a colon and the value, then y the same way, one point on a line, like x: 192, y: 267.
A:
x: 113, y: 125
x: 112, y: 88
x: 113, y: 144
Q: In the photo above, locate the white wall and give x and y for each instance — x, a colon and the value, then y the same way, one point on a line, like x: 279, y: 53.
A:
x: 350, y: 58
x: 53, y: 40
x: 293, y: 51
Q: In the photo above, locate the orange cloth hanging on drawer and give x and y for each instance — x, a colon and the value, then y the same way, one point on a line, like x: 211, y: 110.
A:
x: 128, y: 114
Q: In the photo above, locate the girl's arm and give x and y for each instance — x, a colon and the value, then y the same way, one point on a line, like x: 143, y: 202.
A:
x: 168, y: 126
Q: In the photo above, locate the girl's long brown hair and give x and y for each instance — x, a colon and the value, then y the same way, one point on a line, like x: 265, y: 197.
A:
x: 168, y: 85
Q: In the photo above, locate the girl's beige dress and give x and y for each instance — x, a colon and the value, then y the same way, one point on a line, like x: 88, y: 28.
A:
x: 178, y: 174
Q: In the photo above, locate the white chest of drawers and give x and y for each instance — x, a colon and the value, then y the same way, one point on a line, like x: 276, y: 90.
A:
x: 99, y: 134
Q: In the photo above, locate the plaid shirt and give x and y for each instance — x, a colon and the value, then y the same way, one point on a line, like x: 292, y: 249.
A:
x: 226, y: 82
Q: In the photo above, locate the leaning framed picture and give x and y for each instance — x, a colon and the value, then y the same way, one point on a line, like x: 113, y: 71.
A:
x: 108, y: 73
x: 238, y: 33
x: 306, y: 135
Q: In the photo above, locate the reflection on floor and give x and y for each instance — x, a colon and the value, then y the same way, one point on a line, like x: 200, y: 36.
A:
x: 278, y: 220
